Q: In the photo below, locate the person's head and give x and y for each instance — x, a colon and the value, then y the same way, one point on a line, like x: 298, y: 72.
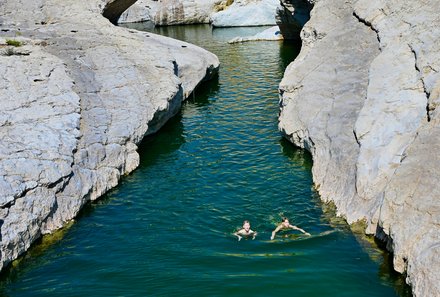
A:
x: 246, y: 225
x: 285, y: 222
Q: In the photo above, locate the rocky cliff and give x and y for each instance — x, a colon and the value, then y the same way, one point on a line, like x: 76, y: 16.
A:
x: 221, y: 13
x: 291, y: 17
x: 170, y: 12
x: 362, y: 96
x: 77, y: 95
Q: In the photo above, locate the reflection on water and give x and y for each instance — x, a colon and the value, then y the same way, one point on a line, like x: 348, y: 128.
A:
x: 167, y: 229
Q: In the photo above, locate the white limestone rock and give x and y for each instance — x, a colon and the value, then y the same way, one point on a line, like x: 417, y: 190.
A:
x: 141, y: 11
x: 247, y: 13
x: 170, y: 12
x: 75, y: 101
x: 271, y: 34
x: 362, y: 96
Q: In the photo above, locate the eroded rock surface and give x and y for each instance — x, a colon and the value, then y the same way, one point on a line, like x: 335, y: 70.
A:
x: 170, y: 12
x: 76, y: 98
x: 362, y: 96
x: 292, y: 15
x: 247, y: 13
x: 271, y: 34
x: 221, y: 13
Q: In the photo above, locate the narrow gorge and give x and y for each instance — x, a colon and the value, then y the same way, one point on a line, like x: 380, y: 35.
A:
x: 78, y: 95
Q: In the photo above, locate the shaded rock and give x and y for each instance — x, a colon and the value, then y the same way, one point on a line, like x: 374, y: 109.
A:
x: 292, y: 16
x: 114, y: 8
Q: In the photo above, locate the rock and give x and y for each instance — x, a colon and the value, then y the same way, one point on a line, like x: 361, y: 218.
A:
x: 114, y: 8
x: 140, y: 11
x: 170, y: 12
x: 85, y: 93
x: 247, y: 13
x: 292, y: 16
x: 270, y: 34
x: 362, y: 96
x: 222, y: 13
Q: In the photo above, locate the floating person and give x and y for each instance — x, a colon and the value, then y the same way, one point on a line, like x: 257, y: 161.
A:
x: 245, y: 231
x: 286, y: 225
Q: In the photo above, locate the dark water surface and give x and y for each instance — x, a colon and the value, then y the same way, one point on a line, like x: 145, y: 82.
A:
x: 166, y: 230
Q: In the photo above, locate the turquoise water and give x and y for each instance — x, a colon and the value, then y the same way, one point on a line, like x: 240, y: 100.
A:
x: 166, y: 230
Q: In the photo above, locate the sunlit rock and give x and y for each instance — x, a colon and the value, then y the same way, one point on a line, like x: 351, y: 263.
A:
x: 362, y: 96
x: 77, y: 95
x: 170, y: 12
x: 271, y: 34
x: 247, y: 13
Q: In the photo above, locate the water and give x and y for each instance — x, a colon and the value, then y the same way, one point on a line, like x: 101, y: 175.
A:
x: 166, y: 230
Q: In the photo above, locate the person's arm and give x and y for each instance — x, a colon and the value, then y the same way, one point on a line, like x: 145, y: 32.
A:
x: 275, y: 232
x: 238, y: 235
x: 254, y: 234
x: 299, y: 229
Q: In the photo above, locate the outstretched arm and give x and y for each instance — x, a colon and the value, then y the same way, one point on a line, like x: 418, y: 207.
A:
x: 275, y: 232
x: 299, y: 229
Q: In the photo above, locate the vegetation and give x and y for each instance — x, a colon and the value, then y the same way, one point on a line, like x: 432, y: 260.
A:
x: 13, y: 42
x: 223, y: 5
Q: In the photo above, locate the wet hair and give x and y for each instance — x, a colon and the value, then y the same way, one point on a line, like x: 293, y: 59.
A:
x: 246, y: 221
x: 284, y: 219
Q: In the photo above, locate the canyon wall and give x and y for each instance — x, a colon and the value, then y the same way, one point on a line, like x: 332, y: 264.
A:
x: 221, y: 13
x: 362, y: 97
x: 291, y: 17
x: 77, y: 95
x: 170, y: 12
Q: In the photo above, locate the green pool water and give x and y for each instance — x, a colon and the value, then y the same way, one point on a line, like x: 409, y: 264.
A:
x: 166, y: 230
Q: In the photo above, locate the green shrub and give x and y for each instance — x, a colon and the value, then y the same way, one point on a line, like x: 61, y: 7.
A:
x: 13, y: 42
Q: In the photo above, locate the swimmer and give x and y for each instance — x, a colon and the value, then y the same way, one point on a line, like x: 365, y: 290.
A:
x: 245, y: 231
x: 286, y: 225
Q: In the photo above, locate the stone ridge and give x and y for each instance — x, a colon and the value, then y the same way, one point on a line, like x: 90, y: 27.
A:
x: 76, y: 98
x: 362, y: 96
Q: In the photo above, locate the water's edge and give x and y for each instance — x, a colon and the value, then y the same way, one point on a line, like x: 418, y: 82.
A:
x: 205, y: 101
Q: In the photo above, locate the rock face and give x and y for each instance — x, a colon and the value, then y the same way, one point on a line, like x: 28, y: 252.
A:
x: 76, y: 98
x: 221, y: 13
x: 247, y: 13
x: 170, y: 12
x: 114, y: 8
x: 271, y: 34
x: 362, y: 96
x: 292, y: 16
